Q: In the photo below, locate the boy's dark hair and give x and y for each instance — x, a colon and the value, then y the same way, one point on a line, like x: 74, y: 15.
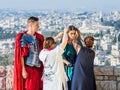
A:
x: 32, y: 19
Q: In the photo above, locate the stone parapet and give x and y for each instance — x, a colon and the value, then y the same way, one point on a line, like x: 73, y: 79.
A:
x: 107, y: 78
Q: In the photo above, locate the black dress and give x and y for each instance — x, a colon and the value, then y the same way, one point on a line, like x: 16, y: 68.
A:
x: 83, y: 78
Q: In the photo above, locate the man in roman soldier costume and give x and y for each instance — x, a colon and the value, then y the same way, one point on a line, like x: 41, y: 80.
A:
x: 28, y: 69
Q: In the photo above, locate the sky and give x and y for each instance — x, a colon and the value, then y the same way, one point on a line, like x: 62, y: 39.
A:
x: 93, y: 5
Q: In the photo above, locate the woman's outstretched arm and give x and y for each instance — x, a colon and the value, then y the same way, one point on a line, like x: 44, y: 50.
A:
x: 64, y: 39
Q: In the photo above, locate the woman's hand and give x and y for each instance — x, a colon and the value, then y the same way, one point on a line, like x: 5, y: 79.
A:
x: 24, y: 73
x: 66, y: 30
x: 67, y: 62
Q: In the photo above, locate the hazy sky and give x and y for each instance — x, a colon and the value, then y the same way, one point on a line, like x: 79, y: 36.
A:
x: 103, y: 5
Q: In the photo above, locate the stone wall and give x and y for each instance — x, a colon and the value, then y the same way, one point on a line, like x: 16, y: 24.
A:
x: 107, y: 78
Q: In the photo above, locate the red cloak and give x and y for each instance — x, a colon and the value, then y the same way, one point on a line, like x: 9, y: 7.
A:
x: 18, y: 79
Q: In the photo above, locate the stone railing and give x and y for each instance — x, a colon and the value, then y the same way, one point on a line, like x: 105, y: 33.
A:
x: 107, y: 78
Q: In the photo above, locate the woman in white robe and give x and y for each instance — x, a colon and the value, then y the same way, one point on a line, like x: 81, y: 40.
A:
x: 54, y: 76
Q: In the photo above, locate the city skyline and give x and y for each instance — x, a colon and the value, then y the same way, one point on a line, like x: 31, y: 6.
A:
x: 89, y: 5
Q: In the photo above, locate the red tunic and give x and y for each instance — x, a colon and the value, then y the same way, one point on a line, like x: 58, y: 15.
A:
x: 34, y: 74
